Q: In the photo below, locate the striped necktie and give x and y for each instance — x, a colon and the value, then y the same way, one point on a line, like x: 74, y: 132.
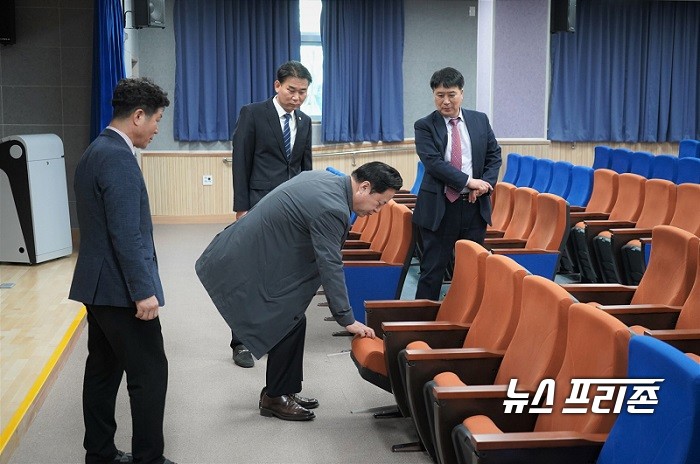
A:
x: 287, y: 135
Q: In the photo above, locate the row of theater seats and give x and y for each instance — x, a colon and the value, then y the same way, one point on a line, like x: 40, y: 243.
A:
x: 449, y: 364
x: 677, y: 169
x: 604, y: 238
x: 573, y: 183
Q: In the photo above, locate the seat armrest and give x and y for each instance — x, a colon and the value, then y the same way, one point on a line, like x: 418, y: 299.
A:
x: 651, y: 316
x: 355, y: 244
x: 361, y: 255
x: 606, y: 294
x: 475, y: 366
x: 686, y: 340
x: 491, y: 243
x: 577, y: 209
x: 586, y: 216
x: 631, y: 233
x: 520, y: 440
x: 593, y: 228
x: 495, y: 233
x: 377, y: 312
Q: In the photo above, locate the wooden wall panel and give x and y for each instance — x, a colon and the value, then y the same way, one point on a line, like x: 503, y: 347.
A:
x: 174, y: 179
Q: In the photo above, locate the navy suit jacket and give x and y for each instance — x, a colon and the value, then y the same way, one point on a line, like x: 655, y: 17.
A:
x: 117, y: 260
x: 259, y: 160
x: 431, y: 142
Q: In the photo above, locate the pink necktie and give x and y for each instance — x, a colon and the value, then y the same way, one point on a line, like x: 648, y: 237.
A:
x: 455, y: 158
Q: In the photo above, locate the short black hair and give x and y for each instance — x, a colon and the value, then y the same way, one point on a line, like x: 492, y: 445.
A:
x: 447, y: 77
x: 381, y: 176
x: 293, y: 69
x: 137, y: 93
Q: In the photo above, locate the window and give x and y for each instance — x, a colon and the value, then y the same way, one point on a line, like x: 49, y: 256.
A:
x: 312, y: 54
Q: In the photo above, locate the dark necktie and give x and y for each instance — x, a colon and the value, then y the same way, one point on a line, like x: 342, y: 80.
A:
x: 455, y: 158
x: 287, y: 135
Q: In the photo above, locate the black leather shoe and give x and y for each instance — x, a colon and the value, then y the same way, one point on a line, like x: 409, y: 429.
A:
x: 285, y: 408
x: 308, y: 403
x: 123, y: 458
x: 242, y: 356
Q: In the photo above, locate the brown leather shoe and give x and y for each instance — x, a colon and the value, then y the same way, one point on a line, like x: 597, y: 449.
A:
x: 308, y: 403
x: 285, y: 408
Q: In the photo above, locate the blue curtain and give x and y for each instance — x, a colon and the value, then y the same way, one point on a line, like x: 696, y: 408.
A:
x: 630, y: 73
x: 227, y: 53
x: 362, y: 70
x: 107, y: 61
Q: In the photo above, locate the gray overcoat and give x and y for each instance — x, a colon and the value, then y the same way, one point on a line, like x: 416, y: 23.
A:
x: 262, y: 271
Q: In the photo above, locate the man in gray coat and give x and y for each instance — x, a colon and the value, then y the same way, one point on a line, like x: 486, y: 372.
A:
x: 262, y: 271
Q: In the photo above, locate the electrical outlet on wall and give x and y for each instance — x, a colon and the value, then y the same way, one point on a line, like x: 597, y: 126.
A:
x: 207, y: 179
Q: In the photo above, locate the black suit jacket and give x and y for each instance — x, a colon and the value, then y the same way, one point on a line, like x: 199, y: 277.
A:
x: 431, y: 141
x: 259, y: 160
x: 117, y: 260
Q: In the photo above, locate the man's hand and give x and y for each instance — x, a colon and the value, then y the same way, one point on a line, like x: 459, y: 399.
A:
x: 240, y: 214
x: 477, y: 187
x: 358, y: 328
x: 147, y: 309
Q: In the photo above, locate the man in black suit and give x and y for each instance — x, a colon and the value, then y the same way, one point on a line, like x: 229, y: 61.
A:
x: 116, y: 278
x: 271, y: 144
x: 462, y: 159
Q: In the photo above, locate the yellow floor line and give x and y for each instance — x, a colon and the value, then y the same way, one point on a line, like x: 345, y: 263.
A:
x: 11, y: 427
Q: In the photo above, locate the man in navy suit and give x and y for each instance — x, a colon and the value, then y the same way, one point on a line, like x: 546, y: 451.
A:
x: 116, y: 278
x: 271, y: 144
x: 462, y: 159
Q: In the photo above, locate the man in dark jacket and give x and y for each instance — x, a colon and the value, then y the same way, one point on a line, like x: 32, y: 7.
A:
x: 263, y: 270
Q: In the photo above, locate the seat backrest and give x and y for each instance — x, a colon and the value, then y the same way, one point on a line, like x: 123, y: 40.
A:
x: 689, y: 148
x: 524, y: 213
x: 664, y: 167
x: 550, y: 223
x: 689, y: 317
x: 671, y: 271
x: 581, y: 186
x: 359, y: 225
x: 420, y: 172
x: 537, y: 348
x: 686, y: 215
x: 659, y: 203
x: 502, y: 208
x: 467, y: 288
x: 640, y: 163
x: 596, y: 347
x: 526, y: 174
x: 543, y: 174
x: 561, y: 179
x: 601, y: 157
x: 688, y: 171
x: 498, y: 313
x: 512, y: 168
x: 620, y: 159
x: 333, y: 170
x: 630, y: 198
x: 672, y: 432
x: 381, y: 238
x: 401, y: 235
x: 371, y: 227
x: 604, y: 193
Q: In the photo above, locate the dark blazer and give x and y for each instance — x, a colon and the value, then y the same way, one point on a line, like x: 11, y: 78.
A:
x: 259, y: 160
x: 431, y: 140
x: 262, y: 271
x: 117, y: 260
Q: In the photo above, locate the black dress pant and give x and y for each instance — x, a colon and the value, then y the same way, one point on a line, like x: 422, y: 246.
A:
x: 462, y: 220
x: 118, y: 342
x: 285, y: 362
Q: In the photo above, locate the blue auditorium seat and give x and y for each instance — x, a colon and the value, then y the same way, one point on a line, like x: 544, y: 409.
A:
x: 601, y: 157
x: 543, y: 175
x: 671, y: 434
x: 581, y: 186
x: 664, y: 167
x: 620, y: 159
x: 333, y: 170
x: 561, y: 179
x: 420, y: 171
x: 512, y: 168
x: 689, y: 148
x: 526, y: 174
x: 688, y: 171
x: 640, y: 163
